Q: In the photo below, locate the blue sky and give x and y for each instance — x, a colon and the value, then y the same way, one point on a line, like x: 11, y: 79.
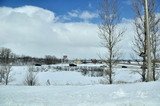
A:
x: 61, y: 7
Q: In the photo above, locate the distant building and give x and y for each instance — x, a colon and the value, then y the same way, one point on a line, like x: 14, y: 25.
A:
x: 78, y: 61
x: 65, y: 59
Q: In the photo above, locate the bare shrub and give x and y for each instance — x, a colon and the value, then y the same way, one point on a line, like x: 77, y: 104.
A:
x: 48, y: 82
x: 31, y: 77
x: 104, y: 81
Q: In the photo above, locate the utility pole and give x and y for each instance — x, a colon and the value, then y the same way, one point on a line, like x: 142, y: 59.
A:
x: 149, y: 63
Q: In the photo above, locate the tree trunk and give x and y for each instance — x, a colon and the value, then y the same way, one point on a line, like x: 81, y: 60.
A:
x: 144, y: 70
x: 110, y: 73
x: 153, y: 69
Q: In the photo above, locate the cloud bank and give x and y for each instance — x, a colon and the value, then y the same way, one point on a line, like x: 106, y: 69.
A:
x: 37, y: 32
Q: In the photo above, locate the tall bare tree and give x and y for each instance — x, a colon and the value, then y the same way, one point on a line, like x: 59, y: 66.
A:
x: 154, y: 31
x: 140, y: 37
x: 109, y: 33
x: 6, y: 57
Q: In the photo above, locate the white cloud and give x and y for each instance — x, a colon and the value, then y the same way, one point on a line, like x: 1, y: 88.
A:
x: 74, y: 13
x: 37, y: 32
x: 84, y: 15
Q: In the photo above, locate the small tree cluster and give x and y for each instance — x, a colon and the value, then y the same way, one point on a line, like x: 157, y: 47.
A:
x: 51, y: 60
x: 6, y: 56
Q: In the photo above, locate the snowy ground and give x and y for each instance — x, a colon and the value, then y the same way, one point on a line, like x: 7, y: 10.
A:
x: 71, y: 88
x: 138, y: 94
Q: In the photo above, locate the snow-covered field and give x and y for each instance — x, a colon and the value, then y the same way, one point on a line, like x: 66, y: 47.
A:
x: 71, y: 88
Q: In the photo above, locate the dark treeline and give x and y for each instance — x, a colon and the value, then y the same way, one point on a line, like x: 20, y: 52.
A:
x: 8, y: 57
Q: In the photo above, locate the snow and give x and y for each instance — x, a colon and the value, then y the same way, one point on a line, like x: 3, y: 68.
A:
x: 66, y: 78
x: 138, y: 94
x: 126, y: 75
x: 71, y: 88
x: 55, y: 77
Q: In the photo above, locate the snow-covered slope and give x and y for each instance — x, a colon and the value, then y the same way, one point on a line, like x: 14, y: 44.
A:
x: 138, y: 94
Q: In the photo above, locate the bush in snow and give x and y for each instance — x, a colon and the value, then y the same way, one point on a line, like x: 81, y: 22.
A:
x: 104, y: 81
x: 48, y: 82
x: 5, y: 76
x: 92, y: 71
x: 31, y: 77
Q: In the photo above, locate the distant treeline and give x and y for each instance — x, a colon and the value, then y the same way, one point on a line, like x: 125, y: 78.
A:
x: 8, y: 57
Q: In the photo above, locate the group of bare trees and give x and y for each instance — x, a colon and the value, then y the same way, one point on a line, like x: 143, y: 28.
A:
x: 5, y: 68
x: 109, y: 14
x: 141, y: 37
x: 6, y: 59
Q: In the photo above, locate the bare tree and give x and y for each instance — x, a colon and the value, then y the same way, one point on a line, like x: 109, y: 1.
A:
x: 26, y: 60
x: 6, y: 76
x: 140, y: 37
x: 31, y: 77
x: 155, y: 35
x: 109, y: 33
x: 50, y: 59
x: 6, y: 57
